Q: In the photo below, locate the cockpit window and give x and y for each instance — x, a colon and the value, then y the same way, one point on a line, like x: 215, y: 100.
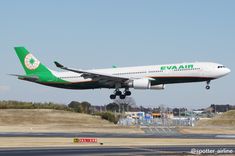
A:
x: 221, y: 66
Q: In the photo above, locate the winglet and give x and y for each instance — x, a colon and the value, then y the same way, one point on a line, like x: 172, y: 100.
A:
x: 58, y: 65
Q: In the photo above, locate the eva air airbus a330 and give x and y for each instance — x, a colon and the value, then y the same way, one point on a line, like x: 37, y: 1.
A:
x: 140, y: 77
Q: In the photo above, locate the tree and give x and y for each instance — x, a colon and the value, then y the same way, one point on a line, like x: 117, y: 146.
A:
x: 128, y: 100
x: 125, y: 104
x: 76, y: 106
x: 85, y: 107
x: 112, y: 107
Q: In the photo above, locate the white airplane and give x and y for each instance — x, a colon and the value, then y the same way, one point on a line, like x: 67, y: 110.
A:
x: 140, y: 77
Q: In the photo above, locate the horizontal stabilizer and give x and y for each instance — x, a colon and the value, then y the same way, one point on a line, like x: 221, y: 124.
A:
x: 26, y: 78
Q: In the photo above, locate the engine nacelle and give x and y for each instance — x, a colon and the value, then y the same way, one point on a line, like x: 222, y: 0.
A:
x: 145, y: 84
x: 141, y: 84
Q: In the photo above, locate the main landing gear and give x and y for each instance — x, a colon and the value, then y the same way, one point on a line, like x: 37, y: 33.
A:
x: 121, y: 95
x: 208, y: 85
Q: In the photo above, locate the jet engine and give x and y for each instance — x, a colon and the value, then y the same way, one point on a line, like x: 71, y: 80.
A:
x: 145, y: 84
x: 141, y: 84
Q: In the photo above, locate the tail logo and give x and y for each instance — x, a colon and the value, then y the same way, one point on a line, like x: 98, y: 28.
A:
x: 31, y: 62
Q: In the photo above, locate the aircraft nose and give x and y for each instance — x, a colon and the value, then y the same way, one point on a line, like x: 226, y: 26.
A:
x: 223, y: 72
x: 226, y: 71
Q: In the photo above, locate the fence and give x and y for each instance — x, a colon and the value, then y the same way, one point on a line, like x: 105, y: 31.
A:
x: 180, y: 121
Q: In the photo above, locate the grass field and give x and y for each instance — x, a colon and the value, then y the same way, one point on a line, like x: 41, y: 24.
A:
x: 47, y: 120
x: 225, y: 119
x: 220, y: 124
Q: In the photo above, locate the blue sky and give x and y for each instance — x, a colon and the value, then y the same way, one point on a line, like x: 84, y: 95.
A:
x: 99, y: 34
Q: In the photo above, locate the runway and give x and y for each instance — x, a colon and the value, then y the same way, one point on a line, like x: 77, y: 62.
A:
x: 120, y: 149
x: 140, y: 150
x: 117, y: 135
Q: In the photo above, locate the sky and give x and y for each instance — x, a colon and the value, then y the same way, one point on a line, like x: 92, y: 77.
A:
x: 99, y: 34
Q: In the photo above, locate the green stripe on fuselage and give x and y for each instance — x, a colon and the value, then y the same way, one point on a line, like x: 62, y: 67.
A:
x: 48, y: 77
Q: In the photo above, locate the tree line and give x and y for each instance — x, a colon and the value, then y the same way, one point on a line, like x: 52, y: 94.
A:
x: 74, y: 106
x: 31, y: 105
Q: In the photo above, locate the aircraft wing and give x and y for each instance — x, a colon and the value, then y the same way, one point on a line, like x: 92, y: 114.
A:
x: 96, y: 76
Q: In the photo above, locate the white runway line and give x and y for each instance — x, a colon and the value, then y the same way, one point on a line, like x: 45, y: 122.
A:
x: 225, y: 136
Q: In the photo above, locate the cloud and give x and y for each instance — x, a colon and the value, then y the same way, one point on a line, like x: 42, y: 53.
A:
x: 4, y: 88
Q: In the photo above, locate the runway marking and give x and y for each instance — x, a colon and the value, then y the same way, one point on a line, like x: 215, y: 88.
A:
x: 225, y: 136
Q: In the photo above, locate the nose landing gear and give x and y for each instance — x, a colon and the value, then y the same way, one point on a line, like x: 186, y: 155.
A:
x: 208, y: 85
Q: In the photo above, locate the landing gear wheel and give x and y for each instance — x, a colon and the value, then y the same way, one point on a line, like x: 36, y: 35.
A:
x: 122, y: 96
x: 118, y: 93
x: 112, y: 96
x: 127, y: 93
x: 208, y: 85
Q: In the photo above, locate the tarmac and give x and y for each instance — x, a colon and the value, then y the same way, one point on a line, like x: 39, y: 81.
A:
x: 119, y: 135
x: 141, y: 150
